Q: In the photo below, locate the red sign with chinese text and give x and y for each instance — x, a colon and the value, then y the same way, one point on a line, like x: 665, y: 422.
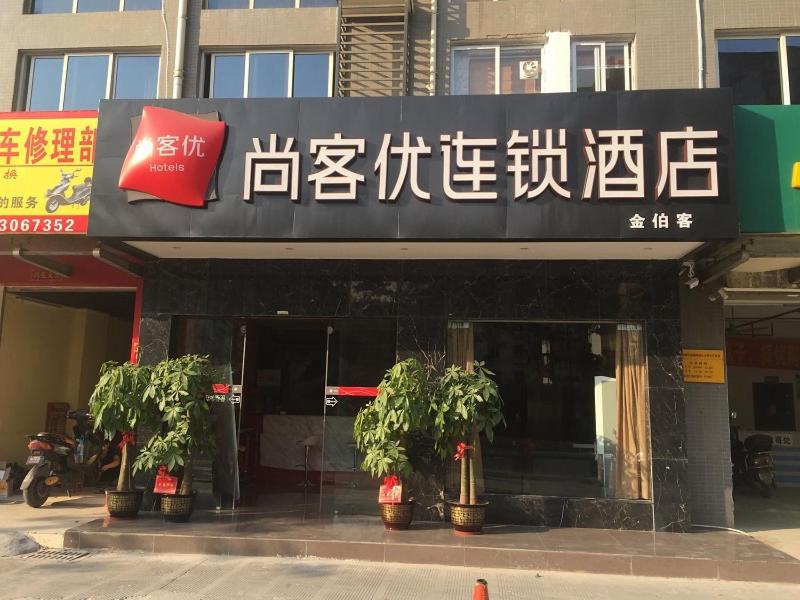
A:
x: 173, y: 156
x: 166, y: 484
x: 763, y: 353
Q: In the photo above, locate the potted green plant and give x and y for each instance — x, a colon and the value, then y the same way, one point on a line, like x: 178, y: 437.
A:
x: 384, y: 429
x: 118, y: 405
x: 181, y: 389
x: 466, y: 404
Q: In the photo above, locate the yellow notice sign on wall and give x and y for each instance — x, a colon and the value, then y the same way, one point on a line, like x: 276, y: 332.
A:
x: 704, y: 366
x: 46, y: 163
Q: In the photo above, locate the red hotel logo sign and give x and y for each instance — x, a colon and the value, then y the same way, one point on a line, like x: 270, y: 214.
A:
x: 173, y: 156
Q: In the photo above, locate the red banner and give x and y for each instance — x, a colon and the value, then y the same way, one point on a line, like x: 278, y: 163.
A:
x: 391, y: 492
x: 366, y: 392
x: 763, y: 353
x: 166, y: 484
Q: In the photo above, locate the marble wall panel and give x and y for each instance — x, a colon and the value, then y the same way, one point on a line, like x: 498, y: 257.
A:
x: 154, y: 338
x: 671, y: 495
x: 667, y: 423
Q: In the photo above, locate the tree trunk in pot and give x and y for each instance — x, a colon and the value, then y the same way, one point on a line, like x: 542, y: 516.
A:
x: 473, y: 499
x: 124, y: 479
x: 464, y: 493
x: 188, y: 477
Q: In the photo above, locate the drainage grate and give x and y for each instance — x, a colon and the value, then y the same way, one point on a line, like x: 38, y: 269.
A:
x: 55, y: 554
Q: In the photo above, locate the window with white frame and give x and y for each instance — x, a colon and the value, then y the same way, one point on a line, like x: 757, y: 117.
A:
x: 80, y: 81
x: 496, y: 70
x: 601, y: 66
x: 41, y: 7
x: 222, y: 4
x: 269, y: 74
x: 761, y: 70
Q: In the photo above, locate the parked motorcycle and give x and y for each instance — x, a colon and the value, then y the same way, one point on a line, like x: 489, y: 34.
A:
x: 58, y: 460
x: 56, y: 195
x: 752, y: 462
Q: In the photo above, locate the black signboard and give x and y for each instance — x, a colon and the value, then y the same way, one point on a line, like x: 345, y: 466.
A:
x: 649, y: 165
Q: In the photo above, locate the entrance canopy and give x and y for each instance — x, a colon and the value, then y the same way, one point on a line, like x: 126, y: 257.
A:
x: 644, y: 168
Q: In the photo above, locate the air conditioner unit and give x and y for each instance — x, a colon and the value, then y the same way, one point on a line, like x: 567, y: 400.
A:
x: 529, y: 69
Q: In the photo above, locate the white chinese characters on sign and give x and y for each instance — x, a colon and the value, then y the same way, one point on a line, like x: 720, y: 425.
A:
x: 605, y: 160
x: 283, y: 163
x: 473, y: 170
x: 661, y: 221
x: 526, y: 157
x: 170, y: 146
x: 409, y: 155
x: 334, y: 181
x: 670, y: 170
x: 537, y: 165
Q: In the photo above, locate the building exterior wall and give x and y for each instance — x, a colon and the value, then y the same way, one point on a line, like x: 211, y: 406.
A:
x: 707, y: 424
x: 724, y: 18
x: 662, y: 35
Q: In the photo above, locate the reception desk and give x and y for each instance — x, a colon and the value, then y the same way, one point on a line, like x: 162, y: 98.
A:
x: 282, y: 436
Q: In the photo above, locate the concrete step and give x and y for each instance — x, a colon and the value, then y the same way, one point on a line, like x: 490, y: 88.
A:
x: 708, y: 555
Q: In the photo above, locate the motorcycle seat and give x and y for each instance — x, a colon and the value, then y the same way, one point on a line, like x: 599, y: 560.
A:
x: 53, y: 438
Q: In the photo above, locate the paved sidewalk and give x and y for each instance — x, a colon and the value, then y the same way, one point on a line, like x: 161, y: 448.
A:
x: 112, y: 575
x: 774, y: 521
x: 48, y: 524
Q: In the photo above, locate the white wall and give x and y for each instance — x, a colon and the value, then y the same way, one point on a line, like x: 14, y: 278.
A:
x: 49, y: 354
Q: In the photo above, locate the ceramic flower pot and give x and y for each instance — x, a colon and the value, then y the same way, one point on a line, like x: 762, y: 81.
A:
x: 397, y: 516
x: 468, y: 519
x: 177, y: 507
x: 124, y: 505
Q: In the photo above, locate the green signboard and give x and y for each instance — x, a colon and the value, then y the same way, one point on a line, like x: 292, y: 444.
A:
x: 767, y: 147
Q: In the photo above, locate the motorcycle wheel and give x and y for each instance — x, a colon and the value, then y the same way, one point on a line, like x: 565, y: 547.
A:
x: 53, y: 202
x: 37, y: 493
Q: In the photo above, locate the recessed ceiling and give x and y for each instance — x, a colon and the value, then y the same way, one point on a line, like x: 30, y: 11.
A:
x: 289, y: 249
x: 116, y: 304
x: 769, y: 263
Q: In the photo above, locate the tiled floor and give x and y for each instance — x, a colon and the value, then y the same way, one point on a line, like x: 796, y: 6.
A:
x: 284, y: 530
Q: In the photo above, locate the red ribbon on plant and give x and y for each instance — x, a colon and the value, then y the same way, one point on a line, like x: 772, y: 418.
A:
x: 391, y: 481
x: 461, y: 449
x: 129, y: 437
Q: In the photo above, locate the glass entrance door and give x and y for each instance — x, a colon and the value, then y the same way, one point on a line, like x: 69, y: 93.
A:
x: 359, y: 352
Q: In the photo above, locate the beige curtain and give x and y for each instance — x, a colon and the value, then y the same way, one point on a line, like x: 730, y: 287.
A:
x: 461, y: 352
x: 633, y: 448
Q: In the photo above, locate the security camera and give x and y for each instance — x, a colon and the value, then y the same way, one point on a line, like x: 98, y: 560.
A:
x: 693, y: 283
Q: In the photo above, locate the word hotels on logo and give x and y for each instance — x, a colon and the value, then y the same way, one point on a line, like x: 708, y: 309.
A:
x: 535, y: 162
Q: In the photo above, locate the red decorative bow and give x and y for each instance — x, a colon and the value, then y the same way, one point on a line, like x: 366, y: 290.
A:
x: 461, y: 449
x: 129, y: 437
x: 162, y: 471
x: 391, y: 481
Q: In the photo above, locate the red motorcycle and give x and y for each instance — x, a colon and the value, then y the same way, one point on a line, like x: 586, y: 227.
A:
x: 61, y: 461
